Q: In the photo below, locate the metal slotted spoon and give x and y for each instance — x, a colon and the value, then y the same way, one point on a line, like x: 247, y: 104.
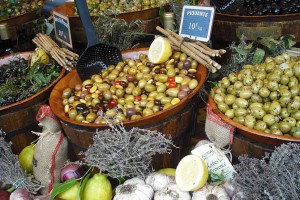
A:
x: 96, y: 56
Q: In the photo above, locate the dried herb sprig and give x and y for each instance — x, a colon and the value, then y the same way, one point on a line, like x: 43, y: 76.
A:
x: 118, y: 32
x: 11, y: 172
x: 273, y: 177
x: 126, y: 153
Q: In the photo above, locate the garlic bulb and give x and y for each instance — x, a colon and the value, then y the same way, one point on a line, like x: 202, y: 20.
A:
x: 210, y: 192
x: 172, y: 192
x: 134, y: 189
x: 229, y: 188
x: 158, y: 180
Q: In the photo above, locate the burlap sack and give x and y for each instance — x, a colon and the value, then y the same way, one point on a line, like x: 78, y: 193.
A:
x: 50, y: 152
x: 218, y: 131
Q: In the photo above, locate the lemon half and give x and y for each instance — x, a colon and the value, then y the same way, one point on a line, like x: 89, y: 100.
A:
x: 191, y: 173
x: 160, y: 50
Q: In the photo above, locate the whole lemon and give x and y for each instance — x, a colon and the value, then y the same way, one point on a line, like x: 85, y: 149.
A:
x: 97, y: 188
x: 26, y: 157
x: 39, y: 54
x: 71, y: 193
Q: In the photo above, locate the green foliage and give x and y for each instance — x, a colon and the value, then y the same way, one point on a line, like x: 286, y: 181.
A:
x: 255, y: 52
x: 118, y: 32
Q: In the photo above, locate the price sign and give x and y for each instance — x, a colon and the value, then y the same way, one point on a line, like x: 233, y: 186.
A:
x: 62, y: 29
x: 196, y: 22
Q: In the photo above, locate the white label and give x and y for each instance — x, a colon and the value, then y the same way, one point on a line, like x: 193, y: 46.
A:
x: 215, y: 160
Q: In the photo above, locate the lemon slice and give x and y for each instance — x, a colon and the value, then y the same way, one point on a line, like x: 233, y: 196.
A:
x: 191, y: 173
x: 160, y: 50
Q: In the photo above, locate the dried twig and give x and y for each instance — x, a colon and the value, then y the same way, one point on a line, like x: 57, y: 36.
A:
x: 194, y: 49
x: 63, y: 57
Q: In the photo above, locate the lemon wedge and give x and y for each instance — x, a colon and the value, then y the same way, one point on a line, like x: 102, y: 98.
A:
x: 160, y: 50
x: 191, y: 173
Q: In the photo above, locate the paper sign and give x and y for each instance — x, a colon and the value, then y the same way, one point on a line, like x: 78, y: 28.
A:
x: 215, y: 160
x: 196, y: 22
x: 62, y: 29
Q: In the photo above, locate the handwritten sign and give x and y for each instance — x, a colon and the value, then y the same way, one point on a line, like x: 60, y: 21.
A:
x: 62, y: 29
x: 196, y: 22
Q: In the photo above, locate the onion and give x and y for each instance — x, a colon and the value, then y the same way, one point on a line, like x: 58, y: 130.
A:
x: 4, y: 195
x: 71, y: 170
x: 20, y: 194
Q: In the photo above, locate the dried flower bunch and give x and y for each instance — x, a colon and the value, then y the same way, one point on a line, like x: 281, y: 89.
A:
x: 126, y: 153
x: 11, y: 172
x: 273, y: 177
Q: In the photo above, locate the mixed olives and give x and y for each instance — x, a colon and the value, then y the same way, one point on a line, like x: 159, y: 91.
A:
x: 10, y: 8
x: 132, y: 89
x: 268, y: 7
x: 98, y: 7
x: 265, y: 97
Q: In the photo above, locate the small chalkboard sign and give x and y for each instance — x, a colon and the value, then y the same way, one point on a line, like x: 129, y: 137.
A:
x: 62, y: 29
x: 196, y: 22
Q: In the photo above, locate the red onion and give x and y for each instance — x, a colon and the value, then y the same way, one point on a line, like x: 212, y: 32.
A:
x: 4, y: 195
x: 71, y: 170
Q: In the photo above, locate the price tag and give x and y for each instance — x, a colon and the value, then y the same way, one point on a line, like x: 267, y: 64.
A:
x: 196, y: 22
x: 62, y: 29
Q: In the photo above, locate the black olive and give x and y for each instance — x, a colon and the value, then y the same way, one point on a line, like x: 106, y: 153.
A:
x: 85, y: 112
x: 80, y: 107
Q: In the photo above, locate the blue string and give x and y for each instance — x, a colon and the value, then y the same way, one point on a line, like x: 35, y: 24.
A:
x: 19, y: 182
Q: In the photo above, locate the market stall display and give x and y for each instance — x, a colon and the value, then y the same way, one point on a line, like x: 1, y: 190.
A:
x: 19, y: 103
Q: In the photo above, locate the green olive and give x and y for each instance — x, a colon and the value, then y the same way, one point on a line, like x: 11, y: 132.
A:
x: 264, y: 92
x: 120, y: 93
x: 171, y: 72
x: 284, y: 101
x: 129, y: 98
x: 160, y: 95
x: 279, y: 59
x: 91, y: 117
x: 296, y: 115
x: 248, y: 80
x: 274, y: 95
x: 240, y: 112
x: 163, y: 78
x: 284, y: 113
x: 285, y: 127
x: 261, y: 75
x: 240, y: 119
x: 223, y: 107
x: 274, y: 77
x: 121, y: 101
x: 293, y: 82
x: 238, y: 85
x: 258, y: 112
x: 220, y: 91
x: 294, y: 90
x: 256, y: 98
x: 276, y: 131
x: 149, y: 87
x: 230, y: 113
x: 139, y: 76
x: 255, y: 104
x: 136, y: 91
x: 172, y: 92
x: 103, y: 87
x: 65, y: 102
x: 250, y: 121
x: 232, y: 77
x: 269, y: 119
x: 165, y: 100
x: 284, y: 80
x: 260, y: 126
x: 246, y: 94
x: 229, y: 99
x: 242, y: 103
x: 147, y: 112
x: 275, y: 108
x: 72, y: 113
x: 183, y: 57
x: 111, y: 113
x: 292, y: 121
x: 273, y: 85
x: 153, y: 94
x: 193, y: 84
x: 67, y: 93
x: 225, y: 82
x: 231, y: 90
x: 289, y: 72
x: 79, y: 118
x: 293, y: 106
x: 150, y: 104
x: 95, y: 101
x: 107, y: 95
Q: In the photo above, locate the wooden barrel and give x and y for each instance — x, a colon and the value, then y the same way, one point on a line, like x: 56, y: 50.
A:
x: 230, y: 27
x: 177, y: 121
x: 150, y: 19
x: 18, y: 119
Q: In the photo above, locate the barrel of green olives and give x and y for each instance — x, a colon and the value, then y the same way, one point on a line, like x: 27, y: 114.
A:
x: 177, y: 121
x: 150, y: 19
x: 18, y: 119
x: 229, y: 27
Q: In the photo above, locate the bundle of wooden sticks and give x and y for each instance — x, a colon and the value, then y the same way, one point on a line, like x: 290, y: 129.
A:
x: 62, y: 56
x: 195, y: 49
